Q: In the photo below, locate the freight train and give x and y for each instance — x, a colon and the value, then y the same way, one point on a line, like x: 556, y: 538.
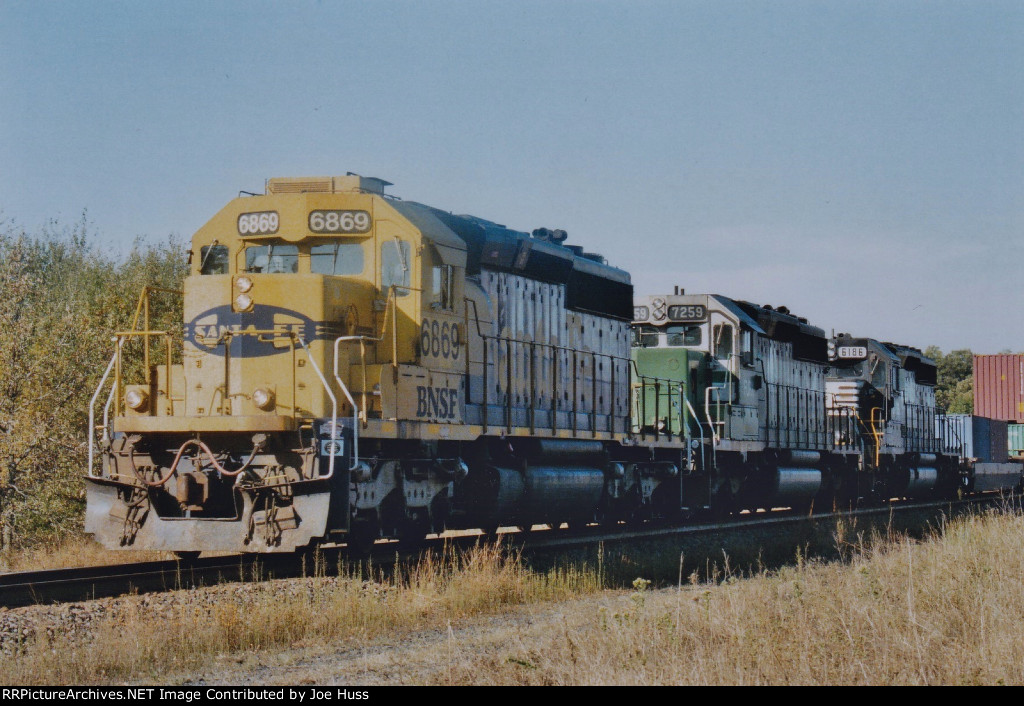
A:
x: 353, y: 366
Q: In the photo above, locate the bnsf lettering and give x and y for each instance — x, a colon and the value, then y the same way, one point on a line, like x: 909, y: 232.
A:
x: 437, y: 402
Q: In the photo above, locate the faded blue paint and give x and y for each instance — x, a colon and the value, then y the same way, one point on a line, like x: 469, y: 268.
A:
x: 206, y: 329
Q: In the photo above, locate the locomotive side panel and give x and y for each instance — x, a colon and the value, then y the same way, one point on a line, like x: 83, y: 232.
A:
x: 544, y: 359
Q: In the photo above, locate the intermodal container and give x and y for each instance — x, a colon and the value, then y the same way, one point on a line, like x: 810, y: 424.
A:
x: 1015, y: 433
x: 990, y: 442
x: 973, y: 437
x: 999, y: 387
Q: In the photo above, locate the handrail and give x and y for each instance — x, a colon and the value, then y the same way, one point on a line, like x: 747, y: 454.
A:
x: 874, y: 433
x: 642, y: 383
x: 143, y: 308
x: 920, y: 435
x: 334, y: 403
x: 351, y: 401
x: 948, y: 435
x: 92, y: 409
x: 392, y: 303
x: 715, y: 439
x: 106, y: 411
x: 554, y: 349
x: 701, y: 428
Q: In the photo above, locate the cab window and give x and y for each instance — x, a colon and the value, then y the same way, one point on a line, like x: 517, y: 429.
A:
x: 723, y: 341
x: 849, y: 370
x: 645, y: 336
x: 442, y: 286
x: 336, y: 259
x: 395, y: 266
x: 272, y: 259
x: 879, y: 372
x: 213, y: 260
x: 683, y: 335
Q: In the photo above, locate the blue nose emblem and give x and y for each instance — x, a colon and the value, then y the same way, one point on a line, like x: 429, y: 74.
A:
x: 207, y: 330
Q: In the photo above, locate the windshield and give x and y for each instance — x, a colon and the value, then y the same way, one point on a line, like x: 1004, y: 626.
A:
x: 272, y: 259
x: 683, y: 335
x: 673, y: 336
x: 336, y: 259
x: 645, y: 336
x: 854, y: 370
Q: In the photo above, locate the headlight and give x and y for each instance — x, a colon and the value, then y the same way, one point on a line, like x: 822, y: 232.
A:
x: 244, y: 284
x: 243, y: 302
x: 262, y: 398
x: 137, y: 400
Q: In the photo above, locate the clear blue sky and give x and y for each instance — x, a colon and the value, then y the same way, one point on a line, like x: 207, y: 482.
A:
x: 860, y: 162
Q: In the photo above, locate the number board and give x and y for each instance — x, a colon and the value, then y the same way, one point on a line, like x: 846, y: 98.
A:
x: 641, y: 313
x: 852, y: 352
x: 439, y: 340
x: 687, y: 312
x: 260, y: 223
x: 339, y: 221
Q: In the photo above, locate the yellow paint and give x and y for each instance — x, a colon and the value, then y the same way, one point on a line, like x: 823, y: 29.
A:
x: 209, y: 391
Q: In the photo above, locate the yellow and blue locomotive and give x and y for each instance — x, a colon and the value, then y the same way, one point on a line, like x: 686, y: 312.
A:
x: 354, y: 365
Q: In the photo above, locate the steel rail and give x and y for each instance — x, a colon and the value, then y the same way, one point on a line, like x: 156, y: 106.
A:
x: 22, y: 588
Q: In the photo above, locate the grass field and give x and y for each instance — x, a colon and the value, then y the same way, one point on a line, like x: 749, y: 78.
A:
x: 947, y: 610
x: 76, y: 552
x: 144, y: 638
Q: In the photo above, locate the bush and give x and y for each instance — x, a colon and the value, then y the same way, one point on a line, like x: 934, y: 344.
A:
x: 63, y: 299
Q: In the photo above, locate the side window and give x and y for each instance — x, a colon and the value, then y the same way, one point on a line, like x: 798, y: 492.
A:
x: 336, y: 259
x: 723, y: 341
x: 443, y: 287
x: 879, y: 372
x: 213, y: 260
x: 395, y: 266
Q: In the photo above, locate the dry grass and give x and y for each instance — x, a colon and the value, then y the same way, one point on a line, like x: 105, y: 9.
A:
x: 144, y: 645
x: 71, y: 553
x: 946, y: 610
x: 949, y: 610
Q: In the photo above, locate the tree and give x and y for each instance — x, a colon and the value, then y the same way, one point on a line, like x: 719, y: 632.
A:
x: 954, y: 391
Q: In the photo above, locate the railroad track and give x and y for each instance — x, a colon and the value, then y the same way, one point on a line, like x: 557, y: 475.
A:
x: 77, y: 584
